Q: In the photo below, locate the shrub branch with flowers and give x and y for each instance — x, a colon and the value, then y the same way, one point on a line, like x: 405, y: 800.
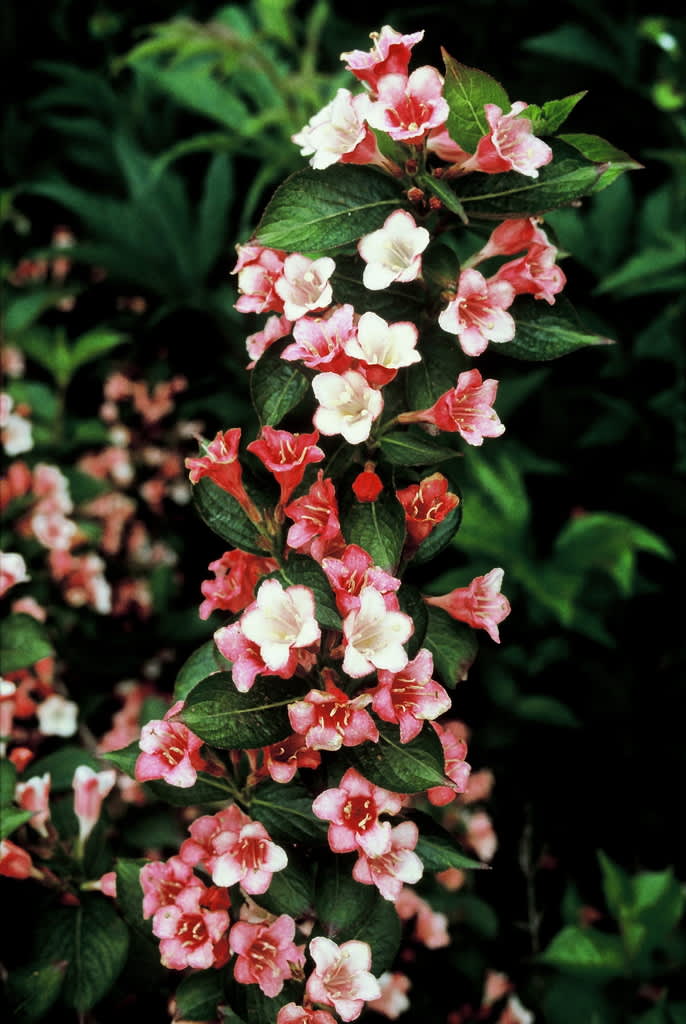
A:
x: 310, y: 735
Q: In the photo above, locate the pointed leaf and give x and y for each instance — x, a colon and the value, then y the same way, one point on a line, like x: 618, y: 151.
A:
x: 438, y: 849
x: 32, y: 990
x: 453, y: 645
x: 401, y: 767
x: 286, y: 813
x: 467, y: 90
x: 585, y: 952
x: 199, y: 995
x: 276, y: 387
x: 549, y: 333
x: 378, y: 527
x: 547, y: 119
x: 202, y: 663
x: 225, y: 517
x: 291, y: 891
x: 414, y: 448
x: 441, y: 535
x: 24, y: 642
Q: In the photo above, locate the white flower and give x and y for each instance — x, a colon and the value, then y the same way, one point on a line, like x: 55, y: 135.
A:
x: 393, y: 252
x: 280, y: 620
x: 304, y: 285
x: 382, y: 344
x: 57, y: 716
x: 347, y: 405
x: 374, y: 636
x: 15, y: 431
x: 335, y: 130
x: 12, y: 570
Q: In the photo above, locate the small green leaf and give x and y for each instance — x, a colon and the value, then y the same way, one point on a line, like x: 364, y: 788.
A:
x: 440, y: 537
x: 32, y: 990
x: 442, y: 190
x: 613, y: 161
x: 202, y: 663
x: 8, y: 781
x: 93, y: 345
x: 318, y: 210
x: 286, y: 813
x: 130, y: 895
x: 438, y: 849
x: 414, y: 448
x: 543, y: 334
x: 254, y: 1007
x: 304, y: 572
x: 412, y: 603
x: 585, y: 952
x: 467, y: 90
x: 276, y: 386
x: 61, y: 765
x: 225, y: 517
x: 547, y: 710
x: 453, y: 645
x: 547, y: 119
x: 401, y: 767
x: 223, y: 717
x: 198, y: 996
x: 24, y: 642
x: 11, y: 818
x: 93, y: 940
x: 378, y: 527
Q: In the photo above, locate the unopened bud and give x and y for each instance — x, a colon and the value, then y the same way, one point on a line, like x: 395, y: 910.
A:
x: 435, y: 203
x: 411, y: 166
x: 415, y: 195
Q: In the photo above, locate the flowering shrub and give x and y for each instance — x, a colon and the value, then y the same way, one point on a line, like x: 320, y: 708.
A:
x: 308, y: 727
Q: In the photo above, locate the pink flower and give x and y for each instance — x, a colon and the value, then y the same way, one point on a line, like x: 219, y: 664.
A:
x: 320, y: 341
x: 250, y: 858
x: 480, y: 604
x: 34, y: 795
x: 329, y: 720
x: 258, y: 271
x: 90, y: 789
x: 347, y: 405
x: 162, y: 881
x: 390, y: 55
x: 316, y: 529
x: 477, y: 313
x: 14, y: 862
x: 170, y: 751
x: 399, y: 865
x: 282, y: 760
x: 393, y: 253
x: 535, y: 274
x: 510, y: 145
x: 513, y: 236
x: 353, y: 810
x: 225, y: 825
x: 408, y: 108
x: 410, y: 697
x: 431, y: 927
x: 304, y: 284
x: 294, y: 1014
x: 393, y: 1001
x: 280, y: 621
x: 481, y: 835
x: 374, y: 636
x: 383, y: 348
x: 276, y: 327
x: 426, y: 504
x: 12, y: 571
x: 236, y: 575
x: 287, y: 456
x: 247, y: 660
x: 466, y: 409
x: 353, y: 571
x: 191, y: 935
x: 454, y: 765
x: 220, y: 463
x: 342, y: 977
x: 339, y: 133
x: 265, y: 953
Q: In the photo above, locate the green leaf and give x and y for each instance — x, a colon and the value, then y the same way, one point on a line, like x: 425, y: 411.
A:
x: 467, y: 90
x: 302, y: 571
x: 223, y: 717
x: 211, y: 230
x: 93, y: 940
x: 612, y: 160
x: 547, y: 119
x: 442, y: 190
x: 414, y: 448
x: 348, y: 910
x: 585, y: 952
x: 318, y: 210
x: 653, y: 911
x: 571, y: 42
x: 61, y: 765
x: 32, y: 990
x: 442, y: 363
x: 8, y: 781
x: 438, y: 849
x: 286, y: 813
x: 547, y: 710
x: 11, y: 818
x: 276, y: 386
x: 24, y: 642
x: 453, y: 645
x: 291, y: 891
x: 198, y: 996
x: 378, y: 527
x: 130, y: 895
x: 93, y: 345
x: 567, y: 178
x: 543, y: 334
x: 401, y: 767
x: 225, y: 517
x: 202, y: 663
x: 412, y: 603
x: 440, y: 537
x: 255, y: 1007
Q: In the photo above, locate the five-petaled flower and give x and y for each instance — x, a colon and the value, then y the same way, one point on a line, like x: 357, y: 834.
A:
x: 170, y: 751
x: 342, y: 977
x: 265, y: 954
x: 393, y: 253
x: 480, y: 604
x: 353, y: 809
x: 478, y: 314
x: 280, y: 621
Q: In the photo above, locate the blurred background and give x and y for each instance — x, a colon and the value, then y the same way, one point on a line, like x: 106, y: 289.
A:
x: 139, y: 144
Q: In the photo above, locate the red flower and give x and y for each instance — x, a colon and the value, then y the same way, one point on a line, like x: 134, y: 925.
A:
x: 426, y: 505
x: 287, y: 456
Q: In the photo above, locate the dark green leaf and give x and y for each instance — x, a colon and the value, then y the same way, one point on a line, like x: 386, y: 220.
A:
x: 442, y: 190
x: 585, y: 952
x: 442, y: 363
x: 291, y: 891
x: 438, y: 849
x: 613, y: 161
x: 199, y: 995
x: 92, y: 346
x: 378, y: 527
x: 401, y: 767
x: 33, y: 990
x: 8, y: 781
x: 547, y: 710
x: 543, y: 334
x: 348, y: 910
x: 276, y: 386
x: 61, y: 765
x: 130, y: 895
x: 616, y: 885
x: 255, y: 1007
x: 412, y: 603
x: 224, y: 515
x: 440, y: 536
x: 414, y: 448
x: 212, y: 227
x: 93, y: 940
x: 467, y: 90
x: 223, y: 717
x: 453, y: 645
x: 286, y: 813
x: 202, y: 663
x: 305, y: 572
x: 24, y: 642
x: 547, y: 119
x: 318, y: 210
x: 11, y: 818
